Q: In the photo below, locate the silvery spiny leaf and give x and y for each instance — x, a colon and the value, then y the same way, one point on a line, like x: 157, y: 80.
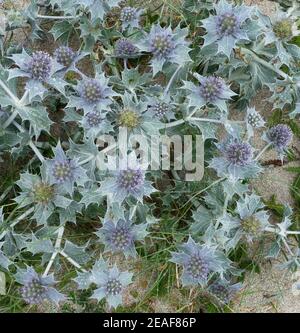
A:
x: 97, y: 8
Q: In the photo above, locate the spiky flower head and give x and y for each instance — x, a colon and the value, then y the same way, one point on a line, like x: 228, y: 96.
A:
x: 120, y: 236
x: 283, y: 29
x: 280, y: 136
x: 227, y: 27
x: 166, y: 45
x: 111, y: 282
x: 227, y: 24
x: 160, y: 109
x: 239, y: 153
x: 223, y: 291
x: 124, y: 48
x: 253, y: 220
x: 237, y: 160
x: 93, y: 118
x: 129, y: 119
x: 36, y: 288
x: 43, y: 193
x: 39, y: 66
x: 33, y: 292
x: 64, y: 171
x: 162, y: 43
x: 130, y: 180
x: 251, y: 226
x: 64, y: 55
x: 91, y: 90
x: 94, y: 94
x: 211, y: 90
x: 198, y: 262
x: 254, y: 119
x: 130, y: 17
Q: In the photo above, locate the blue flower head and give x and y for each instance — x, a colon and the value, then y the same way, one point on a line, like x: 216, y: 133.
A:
x: 280, y: 136
x: 111, y: 282
x: 64, y: 171
x: 198, y: 262
x: 128, y: 181
x: 121, y: 237
x: 130, y: 17
x: 237, y: 160
x: 37, y: 289
x: 212, y: 90
x: 226, y: 28
x: 166, y: 46
x: 125, y: 49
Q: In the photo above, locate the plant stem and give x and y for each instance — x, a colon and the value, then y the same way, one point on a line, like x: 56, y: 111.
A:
x: 10, y: 93
x: 17, y: 220
x: 175, y: 123
x: 171, y: 81
x: 56, y: 17
x: 262, y: 151
x: 10, y: 119
x: 209, y: 120
x: 57, y: 249
x: 30, y: 143
x: 73, y: 262
x: 266, y: 64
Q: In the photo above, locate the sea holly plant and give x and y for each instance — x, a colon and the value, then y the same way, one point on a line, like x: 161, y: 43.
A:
x: 81, y: 198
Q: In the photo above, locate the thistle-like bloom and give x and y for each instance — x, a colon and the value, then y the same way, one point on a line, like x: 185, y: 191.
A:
x: 39, y: 67
x: 161, y: 107
x: 94, y: 94
x: 133, y: 116
x: 130, y: 17
x: 237, y: 161
x: 198, y: 262
x: 280, y: 136
x: 94, y: 123
x: 166, y: 46
x: 41, y: 194
x: 253, y: 120
x: 251, y: 222
x: 282, y: 27
x: 227, y: 27
x: 223, y: 290
x: 91, y: 91
x: 211, y: 91
x: 120, y: 237
x: 64, y: 55
x: 128, y: 181
x: 64, y: 171
x: 36, y: 288
x: 125, y: 49
x: 238, y: 153
x: 111, y: 282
